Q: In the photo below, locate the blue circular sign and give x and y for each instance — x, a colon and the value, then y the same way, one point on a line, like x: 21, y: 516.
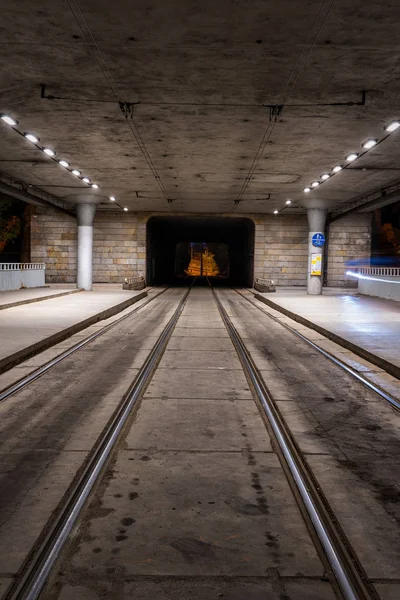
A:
x: 318, y: 240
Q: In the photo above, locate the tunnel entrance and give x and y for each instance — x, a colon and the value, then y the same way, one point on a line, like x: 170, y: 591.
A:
x: 180, y: 248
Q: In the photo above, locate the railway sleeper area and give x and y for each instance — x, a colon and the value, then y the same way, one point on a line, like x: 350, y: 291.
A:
x: 198, y: 450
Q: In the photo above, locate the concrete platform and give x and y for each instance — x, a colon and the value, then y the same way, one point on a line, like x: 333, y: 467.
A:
x: 31, y: 328
x: 370, y: 327
x: 26, y: 296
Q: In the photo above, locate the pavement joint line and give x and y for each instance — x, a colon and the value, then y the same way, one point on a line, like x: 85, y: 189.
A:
x: 188, y: 451
x: 32, y: 300
x: 380, y: 362
x: 8, y: 362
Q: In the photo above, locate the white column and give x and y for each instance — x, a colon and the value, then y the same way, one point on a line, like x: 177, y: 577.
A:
x: 316, y: 224
x: 85, y: 214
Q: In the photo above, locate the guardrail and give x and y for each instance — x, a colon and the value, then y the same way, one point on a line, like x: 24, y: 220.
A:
x: 387, y: 271
x: 14, y: 276
x: 21, y: 266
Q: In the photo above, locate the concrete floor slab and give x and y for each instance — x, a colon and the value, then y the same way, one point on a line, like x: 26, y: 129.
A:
x: 193, y: 332
x: 209, y: 519
x: 369, y: 521
x: 188, y: 383
x: 388, y: 591
x: 201, y: 359
x: 203, y: 425
x: 208, y: 344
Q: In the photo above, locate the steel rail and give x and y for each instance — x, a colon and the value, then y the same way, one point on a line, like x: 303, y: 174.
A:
x: 16, y: 387
x: 346, y: 574
x: 395, y: 403
x: 30, y: 585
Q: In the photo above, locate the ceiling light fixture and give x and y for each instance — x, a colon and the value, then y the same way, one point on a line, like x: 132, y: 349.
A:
x: 9, y: 120
x: 276, y: 212
x: 31, y: 137
x: 392, y: 126
x: 307, y: 189
x: 95, y: 186
x: 86, y: 180
x: 369, y: 143
x: 351, y: 157
x: 337, y: 169
x: 288, y: 202
x: 314, y: 184
x: 64, y: 163
x: 325, y: 176
x: 125, y: 209
x: 112, y: 198
x: 49, y: 151
x: 75, y: 172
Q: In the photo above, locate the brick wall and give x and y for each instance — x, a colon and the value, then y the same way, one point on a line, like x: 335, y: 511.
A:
x: 281, y: 243
x: 349, y: 238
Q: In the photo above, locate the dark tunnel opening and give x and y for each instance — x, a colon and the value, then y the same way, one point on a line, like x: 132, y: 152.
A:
x: 221, y: 248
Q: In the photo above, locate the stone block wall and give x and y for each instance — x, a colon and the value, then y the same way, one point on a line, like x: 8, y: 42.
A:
x: 53, y: 241
x: 348, y: 239
x: 281, y: 248
x: 119, y: 246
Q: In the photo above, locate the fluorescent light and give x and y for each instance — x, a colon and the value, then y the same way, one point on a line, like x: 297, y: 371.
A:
x: 31, y: 137
x: 49, y: 151
x: 64, y: 163
x: 95, y: 186
x: 307, y: 189
x: 86, y: 179
x: 276, y: 212
x: 76, y: 172
x: 112, y: 198
x: 369, y: 144
x: 125, y: 209
x: 9, y: 120
x: 325, y: 176
x: 391, y: 127
x: 288, y: 202
x: 314, y: 184
x: 337, y: 169
x: 351, y: 157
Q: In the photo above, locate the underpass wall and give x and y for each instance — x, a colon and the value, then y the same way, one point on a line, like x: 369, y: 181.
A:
x: 281, y: 248
x: 119, y: 246
x: 348, y: 239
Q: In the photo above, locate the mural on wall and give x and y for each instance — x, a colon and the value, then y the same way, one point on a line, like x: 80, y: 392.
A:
x: 10, y: 225
x: 385, y: 243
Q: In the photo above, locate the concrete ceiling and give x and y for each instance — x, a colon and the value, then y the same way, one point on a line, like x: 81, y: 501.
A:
x: 201, y: 76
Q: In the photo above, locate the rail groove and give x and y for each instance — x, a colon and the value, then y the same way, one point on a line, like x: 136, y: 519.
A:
x: 16, y: 387
x: 38, y: 566
x: 345, y: 566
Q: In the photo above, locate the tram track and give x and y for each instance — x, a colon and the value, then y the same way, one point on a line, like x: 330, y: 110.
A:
x: 342, y: 560
x: 343, y: 567
x: 368, y: 384
x: 34, y: 375
x: 38, y: 565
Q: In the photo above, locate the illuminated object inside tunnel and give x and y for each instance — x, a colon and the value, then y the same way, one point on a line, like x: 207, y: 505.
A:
x: 201, y: 259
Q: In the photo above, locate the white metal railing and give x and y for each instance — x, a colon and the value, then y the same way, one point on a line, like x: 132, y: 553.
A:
x: 386, y: 271
x: 22, y: 266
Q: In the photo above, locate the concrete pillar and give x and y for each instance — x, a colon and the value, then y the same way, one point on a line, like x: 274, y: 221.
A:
x: 85, y: 214
x: 316, y: 224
